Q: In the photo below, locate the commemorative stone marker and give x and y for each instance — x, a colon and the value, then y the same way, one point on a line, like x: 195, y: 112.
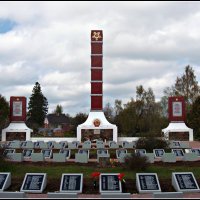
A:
x: 34, y: 182
x: 27, y: 152
x: 158, y: 152
x: 147, y: 183
x: 5, y: 180
x: 178, y: 152
x: 71, y: 183
x: 47, y: 153
x: 196, y: 151
x: 140, y: 152
x: 110, y: 183
x: 6, y: 151
x: 184, y: 182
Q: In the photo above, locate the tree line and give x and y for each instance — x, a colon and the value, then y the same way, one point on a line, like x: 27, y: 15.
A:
x: 140, y: 116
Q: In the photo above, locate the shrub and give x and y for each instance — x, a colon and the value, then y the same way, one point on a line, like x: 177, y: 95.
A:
x: 151, y: 143
x: 136, y: 162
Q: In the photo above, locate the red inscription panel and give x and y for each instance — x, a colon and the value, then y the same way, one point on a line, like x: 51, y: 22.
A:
x: 18, y: 108
x: 96, y: 74
x: 96, y: 48
x: 96, y: 88
x: 176, y: 108
x: 96, y: 102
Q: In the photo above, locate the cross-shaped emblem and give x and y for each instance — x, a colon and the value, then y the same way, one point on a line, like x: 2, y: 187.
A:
x: 96, y: 35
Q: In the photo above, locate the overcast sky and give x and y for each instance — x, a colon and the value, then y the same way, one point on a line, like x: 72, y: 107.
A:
x: 145, y: 43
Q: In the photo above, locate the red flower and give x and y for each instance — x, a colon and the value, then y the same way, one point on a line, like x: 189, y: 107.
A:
x: 95, y: 174
x: 120, y: 176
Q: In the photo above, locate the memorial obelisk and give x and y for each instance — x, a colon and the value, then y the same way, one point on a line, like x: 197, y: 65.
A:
x: 96, y: 125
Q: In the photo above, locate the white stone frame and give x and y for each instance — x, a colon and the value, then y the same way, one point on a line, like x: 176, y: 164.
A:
x: 176, y: 185
x: 7, y: 181
x: 44, y: 182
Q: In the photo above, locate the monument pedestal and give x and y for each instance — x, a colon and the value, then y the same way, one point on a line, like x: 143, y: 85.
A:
x: 97, y: 127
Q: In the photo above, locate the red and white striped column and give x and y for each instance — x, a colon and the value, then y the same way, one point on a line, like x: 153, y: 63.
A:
x: 96, y: 70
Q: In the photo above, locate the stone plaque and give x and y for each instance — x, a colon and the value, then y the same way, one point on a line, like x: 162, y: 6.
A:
x: 196, y: 151
x: 102, y: 151
x: 159, y: 152
x: 5, y: 181
x: 71, y: 183
x: 120, y: 151
x: 178, y: 152
x: 184, y: 181
x: 140, y: 152
x: 47, y: 153
x: 34, y: 182
x: 110, y: 183
x: 27, y: 152
x: 6, y: 151
x: 147, y: 182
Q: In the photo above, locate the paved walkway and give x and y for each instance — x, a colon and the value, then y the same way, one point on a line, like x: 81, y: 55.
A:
x: 133, y: 196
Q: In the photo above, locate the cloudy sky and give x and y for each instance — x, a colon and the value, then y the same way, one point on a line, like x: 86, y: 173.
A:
x: 145, y: 43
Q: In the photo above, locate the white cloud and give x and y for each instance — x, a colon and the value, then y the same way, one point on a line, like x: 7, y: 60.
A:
x: 146, y: 43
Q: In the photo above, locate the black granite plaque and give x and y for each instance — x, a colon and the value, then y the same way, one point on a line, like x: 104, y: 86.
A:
x: 71, y: 183
x: 82, y: 151
x: 140, y: 152
x: 47, y: 153
x: 27, y: 153
x: 177, y: 144
x: 159, y: 152
x: 178, y: 152
x: 148, y: 182
x: 110, y: 183
x: 66, y: 152
x: 102, y: 152
x: 196, y: 151
x: 33, y: 182
x: 186, y: 181
x: 6, y: 151
x: 2, y: 180
x: 120, y: 151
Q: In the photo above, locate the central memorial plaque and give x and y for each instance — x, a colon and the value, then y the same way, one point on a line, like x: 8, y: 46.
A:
x: 184, y: 182
x: 5, y: 181
x: 147, y: 182
x: 72, y: 183
x: 110, y: 183
x: 34, y: 182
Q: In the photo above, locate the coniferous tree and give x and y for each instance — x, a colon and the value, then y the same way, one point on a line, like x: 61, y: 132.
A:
x: 37, y: 106
x: 58, y: 110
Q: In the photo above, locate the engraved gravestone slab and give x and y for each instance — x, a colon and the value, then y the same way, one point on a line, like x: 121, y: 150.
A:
x: 110, y: 183
x: 71, y: 183
x: 27, y: 153
x: 196, y: 151
x: 147, y: 182
x: 83, y: 151
x: 178, y: 152
x: 6, y: 151
x: 120, y: 152
x: 184, y: 182
x: 67, y: 152
x: 140, y: 152
x: 102, y: 152
x: 5, y: 180
x: 47, y: 153
x: 158, y: 152
x: 34, y: 182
